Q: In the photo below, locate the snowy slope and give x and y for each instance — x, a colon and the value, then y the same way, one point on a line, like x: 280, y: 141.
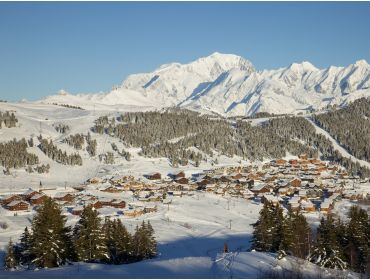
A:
x: 229, y: 85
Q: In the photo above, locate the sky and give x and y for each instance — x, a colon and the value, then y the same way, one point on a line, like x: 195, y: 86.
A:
x: 87, y: 47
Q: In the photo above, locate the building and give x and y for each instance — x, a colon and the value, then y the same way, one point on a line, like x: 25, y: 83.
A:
x: 154, y: 176
x: 17, y: 205
x: 37, y: 199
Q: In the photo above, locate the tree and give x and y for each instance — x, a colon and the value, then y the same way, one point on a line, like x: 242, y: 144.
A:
x: 89, y: 238
x: 25, y: 247
x: 10, y: 259
x: 327, y: 251
x: 358, y: 234
x: 49, y: 242
x: 263, y: 233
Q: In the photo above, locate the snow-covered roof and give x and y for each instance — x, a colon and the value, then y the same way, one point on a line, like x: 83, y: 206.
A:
x: 37, y: 196
x: 16, y: 202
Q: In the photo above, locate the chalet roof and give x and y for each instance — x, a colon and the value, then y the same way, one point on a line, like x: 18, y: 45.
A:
x: 16, y: 202
x: 259, y: 187
x: 37, y: 196
x: 307, y: 204
x: 61, y: 194
x: 29, y: 191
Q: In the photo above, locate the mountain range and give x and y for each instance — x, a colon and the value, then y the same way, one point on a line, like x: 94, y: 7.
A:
x: 231, y: 86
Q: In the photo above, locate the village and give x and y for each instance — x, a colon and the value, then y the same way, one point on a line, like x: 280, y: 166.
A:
x: 308, y: 184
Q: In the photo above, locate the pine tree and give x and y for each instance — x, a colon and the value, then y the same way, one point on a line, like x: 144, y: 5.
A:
x: 153, y: 243
x: 358, y: 234
x: 263, y: 235
x: 25, y: 247
x: 327, y: 251
x: 89, y: 237
x: 49, y: 235
x: 10, y: 259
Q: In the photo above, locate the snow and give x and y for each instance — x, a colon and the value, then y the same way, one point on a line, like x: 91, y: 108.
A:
x: 229, y: 85
x: 337, y: 146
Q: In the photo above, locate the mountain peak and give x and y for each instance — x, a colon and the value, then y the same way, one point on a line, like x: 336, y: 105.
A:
x: 304, y: 65
x: 361, y: 62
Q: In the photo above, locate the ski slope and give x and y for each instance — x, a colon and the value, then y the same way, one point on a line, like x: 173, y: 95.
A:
x: 337, y: 146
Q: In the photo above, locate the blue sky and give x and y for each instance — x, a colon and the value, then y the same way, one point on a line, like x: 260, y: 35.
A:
x: 91, y: 46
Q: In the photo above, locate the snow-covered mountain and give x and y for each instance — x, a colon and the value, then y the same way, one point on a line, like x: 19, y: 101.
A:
x: 230, y: 85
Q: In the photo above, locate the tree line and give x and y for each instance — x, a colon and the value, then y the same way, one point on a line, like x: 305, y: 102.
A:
x: 350, y: 126
x: 13, y: 154
x: 50, y: 243
x: 52, y: 151
x: 336, y: 244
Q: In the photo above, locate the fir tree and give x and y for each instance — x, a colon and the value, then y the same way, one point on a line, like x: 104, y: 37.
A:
x: 358, y: 232
x: 25, y: 247
x: 10, y: 259
x: 89, y: 237
x: 263, y: 234
x: 49, y: 236
x: 327, y: 251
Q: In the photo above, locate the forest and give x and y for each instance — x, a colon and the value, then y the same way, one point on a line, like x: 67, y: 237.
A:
x: 51, y: 243
x: 350, y: 126
x: 8, y: 119
x: 187, y: 137
x: 335, y: 244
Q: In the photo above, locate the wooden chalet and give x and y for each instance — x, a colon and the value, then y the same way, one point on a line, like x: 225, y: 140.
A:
x: 67, y: 197
x: 17, y: 205
x: 182, y: 180
x: 29, y: 193
x: 154, y: 176
x: 9, y: 198
x: 38, y: 199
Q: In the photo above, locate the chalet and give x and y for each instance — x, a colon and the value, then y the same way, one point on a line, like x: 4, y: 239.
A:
x: 67, y: 197
x: 293, y: 161
x: 179, y: 175
x: 308, y: 206
x: 17, y: 205
x: 296, y: 183
x: 38, y: 199
x: 326, y: 206
x: 154, y: 176
x: 112, y: 189
x: 177, y: 193
x: 118, y: 204
x: 131, y: 213
x: 150, y: 209
x: 29, y: 193
x: 7, y: 199
x: 261, y: 188
x: 77, y: 210
x: 182, y: 180
x: 280, y: 162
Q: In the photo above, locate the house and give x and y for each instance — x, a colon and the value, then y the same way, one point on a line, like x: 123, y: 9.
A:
x: 29, y: 193
x: 17, y: 205
x: 112, y: 189
x: 179, y: 175
x: 296, y: 183
x: 64, y: 197
x: 38, y: 199
x: 261, y: 188
x: 182, y: 180
x: 150, y: 208
x: 308, y: 206
x: 94, y: 180
x: 280, y: 162
x: 326, y: 206
x: 118, y: 204
x: 12, y: 197
x: 154, y: 176
x: 77, y: 210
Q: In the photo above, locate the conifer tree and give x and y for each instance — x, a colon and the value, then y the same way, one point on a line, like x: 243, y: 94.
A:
x: 358, y: 232
x: 263, y: 234
x: 89, y: 237
x: 25, y: 247
x: 327, y: 251
x: 10, y: 259
x: 49, y: 236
